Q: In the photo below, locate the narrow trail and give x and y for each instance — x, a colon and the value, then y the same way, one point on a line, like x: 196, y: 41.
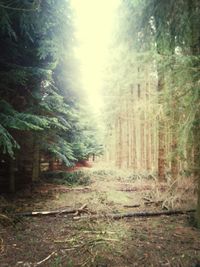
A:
x: 60, y: 240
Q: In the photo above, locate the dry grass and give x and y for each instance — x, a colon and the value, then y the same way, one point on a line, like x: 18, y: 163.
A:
x: 105, y: 242
x: 126, y: 187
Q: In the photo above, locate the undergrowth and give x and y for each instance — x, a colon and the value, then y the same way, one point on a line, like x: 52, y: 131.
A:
x: 122, y: 175
x: 68, y: 178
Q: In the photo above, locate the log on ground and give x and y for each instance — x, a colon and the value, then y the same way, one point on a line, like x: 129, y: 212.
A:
x: 118, y: 216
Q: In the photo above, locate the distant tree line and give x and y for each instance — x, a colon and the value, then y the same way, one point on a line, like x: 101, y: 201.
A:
x: 155, y: 61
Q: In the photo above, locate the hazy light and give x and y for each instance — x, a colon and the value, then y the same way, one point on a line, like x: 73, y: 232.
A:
x: 94, y: 22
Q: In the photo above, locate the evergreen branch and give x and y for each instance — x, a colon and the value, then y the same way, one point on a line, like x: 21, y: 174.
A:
x: 21, y: 9
x: 7, y: 142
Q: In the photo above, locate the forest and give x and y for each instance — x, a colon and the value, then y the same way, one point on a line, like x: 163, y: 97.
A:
x: 84, y: 184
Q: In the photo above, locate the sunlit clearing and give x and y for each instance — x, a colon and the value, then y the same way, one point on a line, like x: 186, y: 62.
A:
x: 94, y: 22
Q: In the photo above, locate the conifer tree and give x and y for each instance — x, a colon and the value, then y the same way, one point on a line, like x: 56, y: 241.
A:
x: 40, y: 96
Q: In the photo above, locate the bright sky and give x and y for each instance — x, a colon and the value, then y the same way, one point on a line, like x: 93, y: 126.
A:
x: 94, y: 22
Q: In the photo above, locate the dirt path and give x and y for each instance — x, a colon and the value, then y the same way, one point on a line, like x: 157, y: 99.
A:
x: 62, y: 241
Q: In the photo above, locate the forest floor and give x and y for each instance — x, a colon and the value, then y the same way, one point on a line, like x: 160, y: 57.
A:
x: 71, y: 240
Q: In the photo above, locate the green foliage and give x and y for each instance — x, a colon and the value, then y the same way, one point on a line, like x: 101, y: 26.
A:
x: 7, y: 142
x: 39, y: 88
x: 86, y: 145
x: 10, y: 118
x: 62, y: 150
x: 68, y: 178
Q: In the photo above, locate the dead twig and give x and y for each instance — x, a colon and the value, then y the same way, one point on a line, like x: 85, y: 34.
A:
x: 81, y: 210
x: 46, y: 259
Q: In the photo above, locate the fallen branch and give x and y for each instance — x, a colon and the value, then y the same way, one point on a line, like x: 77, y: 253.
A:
x: 99, y: 232
x: 91, y: 241
x: 118, y: 216
x: 54, y: 212
x: 129, y: 189
x: 135, y: 188
x: 132, y: 206
x: 150, y: 214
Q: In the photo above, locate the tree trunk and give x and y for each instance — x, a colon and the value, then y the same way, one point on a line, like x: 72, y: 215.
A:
x: 174, y: 144
x: 161, y: 132
x: 12, y: 176
x: 193, y: 11
x: 174, y: 160
x: 36, y: 162
x: 93, y: 157
x: 196, y: 132
x: 120, y: 143
x: 127, y: 135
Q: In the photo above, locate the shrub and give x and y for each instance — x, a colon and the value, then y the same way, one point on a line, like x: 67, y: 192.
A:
x: 68, y: 178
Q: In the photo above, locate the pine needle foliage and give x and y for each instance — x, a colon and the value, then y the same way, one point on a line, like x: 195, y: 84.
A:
x: 39, y: 91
